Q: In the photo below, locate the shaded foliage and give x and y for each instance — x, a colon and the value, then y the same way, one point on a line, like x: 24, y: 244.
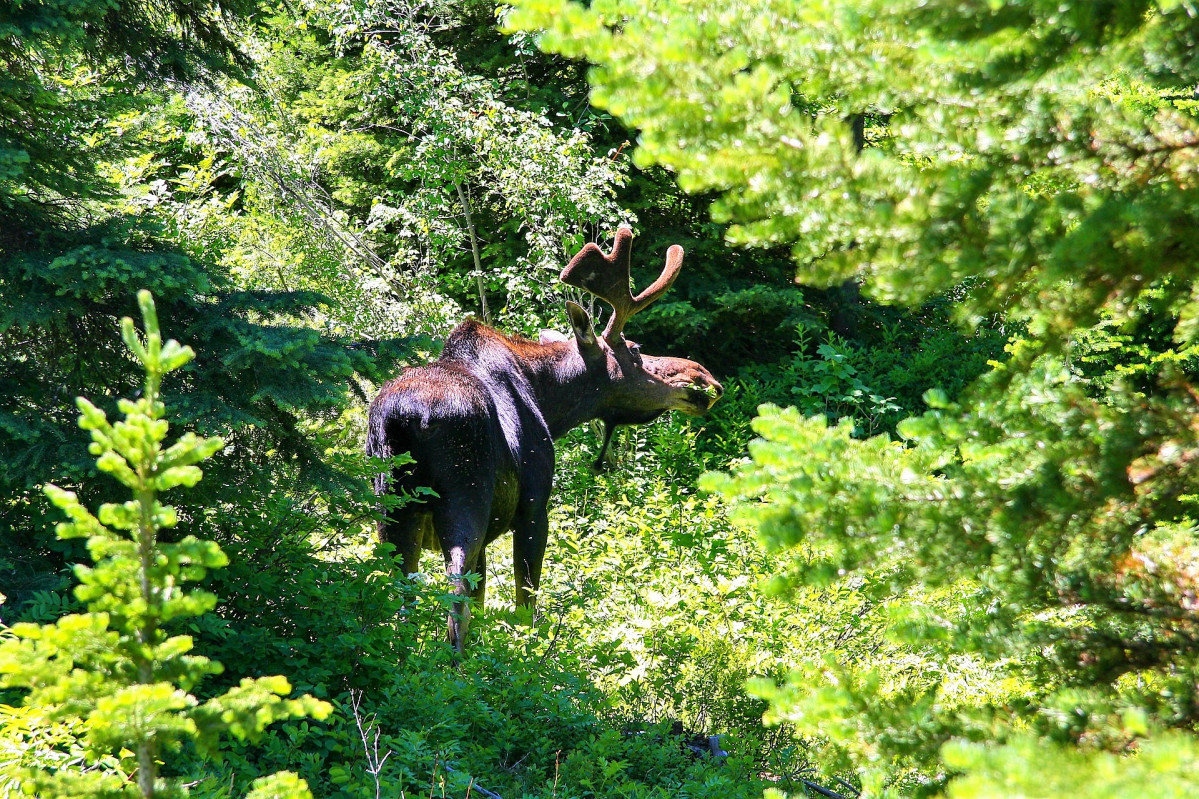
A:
x: 1041, y: 155
x: 291, y: 225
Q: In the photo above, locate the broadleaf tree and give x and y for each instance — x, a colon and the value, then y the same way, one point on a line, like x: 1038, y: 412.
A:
x: 438, y: 186
x: 1035, y: 535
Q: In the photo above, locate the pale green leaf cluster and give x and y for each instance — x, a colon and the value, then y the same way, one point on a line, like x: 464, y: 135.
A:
x: 379, y: 153
x: 108, y: 691
x: 1165, y: 768
x: 1038, y: 159
x: 918, y: 143
x: 283, y: 785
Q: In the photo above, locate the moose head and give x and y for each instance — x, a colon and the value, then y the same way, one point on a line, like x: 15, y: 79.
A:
x: 635, y: 388
x: 480, y: 423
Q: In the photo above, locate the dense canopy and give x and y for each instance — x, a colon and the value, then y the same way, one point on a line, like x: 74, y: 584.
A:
x: 937, y: 539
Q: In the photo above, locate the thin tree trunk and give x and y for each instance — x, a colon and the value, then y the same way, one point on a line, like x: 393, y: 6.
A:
x: 147, y: 763
x: 474, y: 250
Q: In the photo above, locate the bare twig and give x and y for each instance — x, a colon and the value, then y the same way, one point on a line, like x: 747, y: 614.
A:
x: 557, y: 635
x: 369, y: 733
x: 474, y: 785
x: 856, y: 792
x: 822, y: 790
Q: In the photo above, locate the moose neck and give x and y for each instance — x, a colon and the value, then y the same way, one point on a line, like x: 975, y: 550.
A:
x: 567, y: 391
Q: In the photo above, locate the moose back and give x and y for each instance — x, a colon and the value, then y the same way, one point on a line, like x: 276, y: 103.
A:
x: 481, y: 420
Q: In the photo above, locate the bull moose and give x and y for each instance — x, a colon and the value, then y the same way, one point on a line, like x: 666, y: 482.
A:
x: 481, y: 420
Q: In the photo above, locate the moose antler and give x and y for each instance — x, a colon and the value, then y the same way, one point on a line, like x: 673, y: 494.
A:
x: 607, y: 277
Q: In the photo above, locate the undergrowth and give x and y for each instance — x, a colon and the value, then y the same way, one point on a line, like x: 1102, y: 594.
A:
x: 650, y: 623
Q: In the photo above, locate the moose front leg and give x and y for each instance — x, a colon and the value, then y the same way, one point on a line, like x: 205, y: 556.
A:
x: 530, y: 532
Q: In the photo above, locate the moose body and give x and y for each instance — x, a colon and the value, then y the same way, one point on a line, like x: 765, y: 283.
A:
x: 481, y: 421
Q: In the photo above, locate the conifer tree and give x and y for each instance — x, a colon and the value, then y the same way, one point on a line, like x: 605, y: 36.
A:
x: 72, y: 251
x: 68, y: 65
x: 117, y: 673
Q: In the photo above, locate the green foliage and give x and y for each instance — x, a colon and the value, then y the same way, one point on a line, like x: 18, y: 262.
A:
x: 1074, y: 610
x: 77, y: 76
x: 651, y: 626
x: 115, y: 676
x: 1016, y: 571
x: 206, y: 214
x: 256, y: 383
x: 378, y: 166
x: 1036, y: 528
x: 1164, y: 767
x: 1009, y: 141
x: 69, y: 64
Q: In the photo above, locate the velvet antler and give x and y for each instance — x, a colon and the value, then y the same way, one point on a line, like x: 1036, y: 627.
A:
x: 607, y: 277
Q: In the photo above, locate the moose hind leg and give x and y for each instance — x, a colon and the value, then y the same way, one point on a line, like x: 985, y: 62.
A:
x: 530, y: 532
x: 457, y: 565
x: 406, y: 531
x: 461, y: 538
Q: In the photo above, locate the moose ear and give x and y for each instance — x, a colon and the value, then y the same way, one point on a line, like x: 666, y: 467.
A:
x: 581, y: 323
x: 551, y: 337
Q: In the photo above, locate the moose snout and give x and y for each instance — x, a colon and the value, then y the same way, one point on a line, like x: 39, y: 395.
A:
x: 710, y: 388
x: 702, y: 391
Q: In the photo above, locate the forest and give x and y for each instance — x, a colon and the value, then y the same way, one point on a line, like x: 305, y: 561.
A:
x: 938, y: 536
